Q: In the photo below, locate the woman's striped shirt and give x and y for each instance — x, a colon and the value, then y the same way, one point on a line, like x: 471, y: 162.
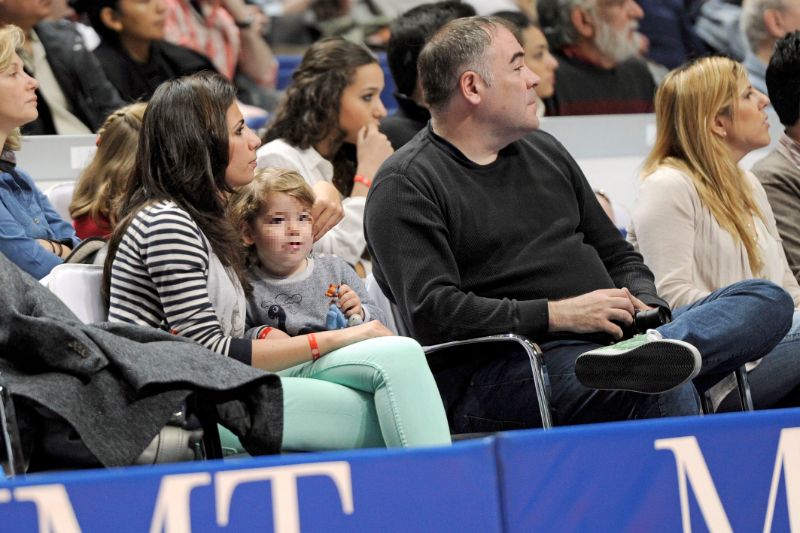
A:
x: 159, y: 278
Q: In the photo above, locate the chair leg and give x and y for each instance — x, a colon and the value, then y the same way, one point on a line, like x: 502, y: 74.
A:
x: 205, y: 411
x: 706, y: 403
x: 743, y: 385
x: 743, y: 388
x: 538, y: 369
x: 12, y: 442
x: 541, y: 380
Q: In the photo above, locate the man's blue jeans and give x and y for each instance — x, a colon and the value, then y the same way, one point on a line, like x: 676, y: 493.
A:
x: 734, y: 325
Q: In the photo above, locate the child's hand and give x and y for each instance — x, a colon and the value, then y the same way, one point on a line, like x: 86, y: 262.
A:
x: 349, y: 302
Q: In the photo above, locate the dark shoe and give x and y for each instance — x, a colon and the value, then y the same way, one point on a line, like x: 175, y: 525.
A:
x: 644, y: 363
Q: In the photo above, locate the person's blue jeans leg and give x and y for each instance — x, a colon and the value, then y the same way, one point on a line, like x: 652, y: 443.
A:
x: 732, y: 326
x: 776, y: 375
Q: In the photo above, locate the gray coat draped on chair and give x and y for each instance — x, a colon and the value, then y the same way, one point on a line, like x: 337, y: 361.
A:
x: 117, y: 384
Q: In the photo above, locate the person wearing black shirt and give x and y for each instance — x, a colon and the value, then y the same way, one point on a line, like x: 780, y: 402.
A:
x: 482, y: 225
x: 133, y: 53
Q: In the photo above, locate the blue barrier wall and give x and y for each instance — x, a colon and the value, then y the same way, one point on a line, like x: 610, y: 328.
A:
x: 628, y: 477
x: 723, y: 473
x: 445, y: 489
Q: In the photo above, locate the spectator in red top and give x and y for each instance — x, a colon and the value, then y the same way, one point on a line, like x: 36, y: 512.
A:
x: 106, y: 177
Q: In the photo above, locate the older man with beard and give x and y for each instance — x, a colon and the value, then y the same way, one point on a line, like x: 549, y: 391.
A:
x: 600, y: 71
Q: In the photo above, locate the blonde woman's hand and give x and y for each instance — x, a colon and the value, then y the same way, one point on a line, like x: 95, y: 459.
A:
x: 327, y: 210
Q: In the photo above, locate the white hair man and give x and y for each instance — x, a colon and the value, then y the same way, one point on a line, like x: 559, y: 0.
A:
x: 600, y: 71
x: 763, y: 22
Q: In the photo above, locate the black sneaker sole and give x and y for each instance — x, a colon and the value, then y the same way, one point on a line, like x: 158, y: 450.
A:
x: 651, y: 368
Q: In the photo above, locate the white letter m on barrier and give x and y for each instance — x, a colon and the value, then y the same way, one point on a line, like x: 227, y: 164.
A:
x: 692, y: 468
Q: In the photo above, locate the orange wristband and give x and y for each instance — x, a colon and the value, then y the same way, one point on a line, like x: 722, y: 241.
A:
x: 262, y: 334
x: 312, y: 343
x: 361, y: 179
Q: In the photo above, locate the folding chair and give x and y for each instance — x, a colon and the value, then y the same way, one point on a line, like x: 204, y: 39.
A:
x: 534, y: 353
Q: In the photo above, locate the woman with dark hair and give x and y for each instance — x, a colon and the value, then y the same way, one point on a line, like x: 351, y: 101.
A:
x: 332, y: 107
x: 176, y: 262
x: 133, y: 52
x: 32, y: 234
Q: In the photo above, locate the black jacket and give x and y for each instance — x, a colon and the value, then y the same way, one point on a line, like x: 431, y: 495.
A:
x: 118, y: 384
x: 85, y: 86
x: 137, y: 81
x: 409, y: 119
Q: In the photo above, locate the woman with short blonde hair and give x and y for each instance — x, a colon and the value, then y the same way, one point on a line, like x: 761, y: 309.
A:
x: 32, y: 234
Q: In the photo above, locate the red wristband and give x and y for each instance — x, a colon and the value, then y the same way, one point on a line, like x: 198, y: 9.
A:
x: 312, y: 343
x: 263, y: 332
x: 361, y: 179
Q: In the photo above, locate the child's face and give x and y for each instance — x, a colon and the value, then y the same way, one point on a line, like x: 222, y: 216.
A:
x: 282, y: 234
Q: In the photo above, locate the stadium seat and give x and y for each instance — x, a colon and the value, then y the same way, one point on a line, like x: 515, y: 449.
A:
x: 538, y: 370
x: 60, y: 196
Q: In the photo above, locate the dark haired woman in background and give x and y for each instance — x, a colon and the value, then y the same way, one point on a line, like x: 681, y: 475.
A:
x: 332, y: 104
x: 133, y: 52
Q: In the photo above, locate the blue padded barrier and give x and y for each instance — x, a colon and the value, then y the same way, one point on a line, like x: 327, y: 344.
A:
x: 628, y: 476
x: 723, y: 473
x: 434, y: 489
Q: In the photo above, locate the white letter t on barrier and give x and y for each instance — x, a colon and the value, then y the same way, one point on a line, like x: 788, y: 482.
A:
x: 285, y: 509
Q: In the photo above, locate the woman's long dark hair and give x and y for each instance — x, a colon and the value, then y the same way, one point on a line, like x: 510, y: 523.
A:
x: 309, y: 112
x: 182, y: 156
x: 92, y: 10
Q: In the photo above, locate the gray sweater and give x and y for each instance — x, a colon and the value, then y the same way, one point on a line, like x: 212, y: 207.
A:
x: 298, y: 304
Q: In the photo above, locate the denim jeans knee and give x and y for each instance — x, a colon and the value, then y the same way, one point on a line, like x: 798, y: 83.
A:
x: 733, y: 325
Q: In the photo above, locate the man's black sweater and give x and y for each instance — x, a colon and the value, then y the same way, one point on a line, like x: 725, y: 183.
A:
x: 467, y: 250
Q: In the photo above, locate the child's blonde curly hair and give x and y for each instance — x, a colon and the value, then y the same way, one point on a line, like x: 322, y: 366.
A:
x: 248, y: 201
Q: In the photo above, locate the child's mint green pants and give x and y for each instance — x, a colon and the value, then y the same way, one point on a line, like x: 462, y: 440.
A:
x: 378, y: 392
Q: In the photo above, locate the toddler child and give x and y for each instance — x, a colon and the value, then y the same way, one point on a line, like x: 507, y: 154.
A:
x: 294, y: 290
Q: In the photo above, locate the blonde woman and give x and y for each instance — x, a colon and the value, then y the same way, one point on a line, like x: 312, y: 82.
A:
x: 32, y: 234
x: 703, y: 223
x: 106, y: 177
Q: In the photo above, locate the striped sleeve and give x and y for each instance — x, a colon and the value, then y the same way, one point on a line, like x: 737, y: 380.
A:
x: 159, y: 278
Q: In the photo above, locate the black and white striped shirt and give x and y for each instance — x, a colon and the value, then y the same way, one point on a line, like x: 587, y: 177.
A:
x: 159, y: 278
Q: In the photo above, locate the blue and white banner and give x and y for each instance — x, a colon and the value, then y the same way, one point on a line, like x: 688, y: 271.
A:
x: 722, y: 473
x: 444, y: 489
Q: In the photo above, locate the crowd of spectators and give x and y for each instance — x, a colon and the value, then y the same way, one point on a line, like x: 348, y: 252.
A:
x: 470, y: 219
